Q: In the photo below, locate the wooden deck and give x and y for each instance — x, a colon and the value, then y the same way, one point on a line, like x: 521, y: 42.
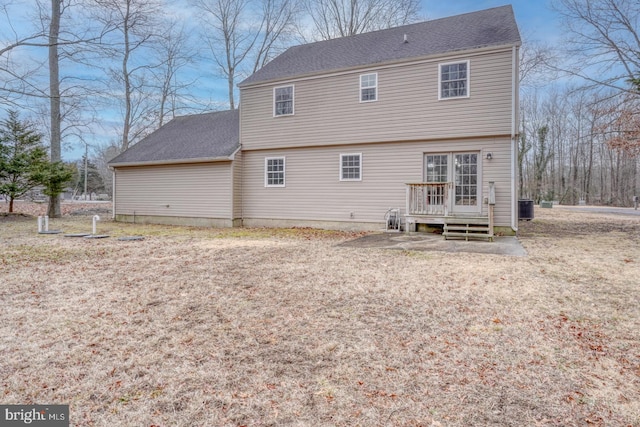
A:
x: 427, y: 203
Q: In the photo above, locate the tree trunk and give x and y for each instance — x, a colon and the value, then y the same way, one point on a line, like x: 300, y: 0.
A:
x: 10, y: 204
x: 587, y: 188
x: 127, y: 83
x: 54, y: 97
x: 231, y: 101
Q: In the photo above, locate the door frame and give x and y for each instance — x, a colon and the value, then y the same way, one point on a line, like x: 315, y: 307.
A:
x: 451, y: 205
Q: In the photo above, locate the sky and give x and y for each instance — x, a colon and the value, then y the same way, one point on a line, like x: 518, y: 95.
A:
x: 536, y: 20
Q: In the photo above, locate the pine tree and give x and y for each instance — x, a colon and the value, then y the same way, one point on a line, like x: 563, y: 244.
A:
x: 22, y: 157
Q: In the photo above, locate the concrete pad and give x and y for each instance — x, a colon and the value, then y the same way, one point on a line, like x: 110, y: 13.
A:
x: 130, y: 238
x: 503, y: 245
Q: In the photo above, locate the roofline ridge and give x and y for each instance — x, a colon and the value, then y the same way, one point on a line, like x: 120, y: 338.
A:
x: 397, y: 28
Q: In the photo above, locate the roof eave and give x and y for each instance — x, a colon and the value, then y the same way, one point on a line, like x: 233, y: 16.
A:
x: 174, y: 161
x: 477, y: 49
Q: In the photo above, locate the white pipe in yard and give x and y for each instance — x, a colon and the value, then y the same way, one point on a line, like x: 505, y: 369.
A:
x: 46, y: 223
x: 96, y: 218
x: 39, y: 224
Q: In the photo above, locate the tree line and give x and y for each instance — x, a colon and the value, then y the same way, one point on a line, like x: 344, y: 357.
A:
x: 580, y: 142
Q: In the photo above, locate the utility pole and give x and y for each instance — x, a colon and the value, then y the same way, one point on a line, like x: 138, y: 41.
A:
x: 86, y: 162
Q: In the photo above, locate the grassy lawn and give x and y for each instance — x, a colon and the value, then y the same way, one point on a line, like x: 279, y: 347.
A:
x: 255, y: 327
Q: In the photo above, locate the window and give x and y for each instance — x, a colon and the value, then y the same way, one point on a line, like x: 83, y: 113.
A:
x: 351, y: 167
x: 283, y: 101
x: 436, y: 168
x: 454, y: 80
x: 274, y: 172
x: 368, y: 87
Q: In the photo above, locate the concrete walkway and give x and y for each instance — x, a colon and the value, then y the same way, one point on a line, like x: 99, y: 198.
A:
x: 508, y: 245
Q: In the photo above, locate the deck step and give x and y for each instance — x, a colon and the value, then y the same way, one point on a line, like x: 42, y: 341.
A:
x: 466, y: 220
x: 467, y: 228
x: 484, y: 229
x: 466, y: 236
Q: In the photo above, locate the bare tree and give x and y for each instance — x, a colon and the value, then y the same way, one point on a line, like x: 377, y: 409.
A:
x: 604, y: 41
x: 229, y: 35
x: 622, y: 129
x: 134, y: 25
x: 279, y: 19
x: 341, y: 18
x: 16, y: 78
x: 102, y: 155
x: 535, y: 61
x: 35, y: 82
x: 174, y: 54
x: 243, y: 35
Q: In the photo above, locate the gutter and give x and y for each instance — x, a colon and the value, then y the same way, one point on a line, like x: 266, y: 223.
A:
x: 175, y: 161
x: 233, y: 155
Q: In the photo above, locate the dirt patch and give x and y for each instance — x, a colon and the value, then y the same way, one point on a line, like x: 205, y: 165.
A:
x: 266, y: 327
x: 14, y: 216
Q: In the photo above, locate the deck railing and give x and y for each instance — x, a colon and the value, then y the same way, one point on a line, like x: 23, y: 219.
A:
x: 427, y: 199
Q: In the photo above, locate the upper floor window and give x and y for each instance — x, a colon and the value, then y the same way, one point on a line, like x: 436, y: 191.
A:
x: 368, y: 87
x: 454, y: 80
x: 351, y: 167
x: 283, y: 101
x: 274, y: 172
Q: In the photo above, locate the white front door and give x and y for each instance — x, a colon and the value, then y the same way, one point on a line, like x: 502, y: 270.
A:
x: 461, y: 172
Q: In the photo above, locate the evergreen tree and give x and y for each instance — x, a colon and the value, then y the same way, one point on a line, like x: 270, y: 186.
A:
x: 24, y: 162
x: 54, y: 176
x: 22, y: 157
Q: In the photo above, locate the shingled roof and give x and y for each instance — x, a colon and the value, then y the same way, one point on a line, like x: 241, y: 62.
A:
x: 490, y: 27
x: 198, y: 137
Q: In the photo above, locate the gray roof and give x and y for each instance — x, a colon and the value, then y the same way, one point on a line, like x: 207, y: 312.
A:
x: 490, y: 27
x: 198, y: 137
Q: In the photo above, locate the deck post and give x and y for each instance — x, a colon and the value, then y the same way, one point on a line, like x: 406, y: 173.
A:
x: 492, y: 203
x: 407, y: 211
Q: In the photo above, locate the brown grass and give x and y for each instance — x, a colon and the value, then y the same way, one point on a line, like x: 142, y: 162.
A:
x: 241, y: 327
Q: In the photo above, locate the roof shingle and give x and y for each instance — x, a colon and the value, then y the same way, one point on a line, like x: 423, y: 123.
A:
x: 190, y: 138
x: 490, y: 27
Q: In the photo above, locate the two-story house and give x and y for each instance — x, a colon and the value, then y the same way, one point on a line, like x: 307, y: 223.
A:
x: 333, y: 134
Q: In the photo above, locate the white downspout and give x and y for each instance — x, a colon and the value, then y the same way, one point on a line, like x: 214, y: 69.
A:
x: 514, y: 151
x: 113, y: 195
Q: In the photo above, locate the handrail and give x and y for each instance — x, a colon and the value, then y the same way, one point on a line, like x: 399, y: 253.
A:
x: 427, y: 198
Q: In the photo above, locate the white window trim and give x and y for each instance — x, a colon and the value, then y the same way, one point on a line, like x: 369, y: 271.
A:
x: 440, y: 98
x: 293, y: 100
x: 266, y: 171
x: 340, y: 166
x: 375, y: 87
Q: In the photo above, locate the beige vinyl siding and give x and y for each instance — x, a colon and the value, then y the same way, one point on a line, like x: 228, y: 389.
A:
x: 314, y: 191
x: 328, y: 109
x: 190, y: 191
